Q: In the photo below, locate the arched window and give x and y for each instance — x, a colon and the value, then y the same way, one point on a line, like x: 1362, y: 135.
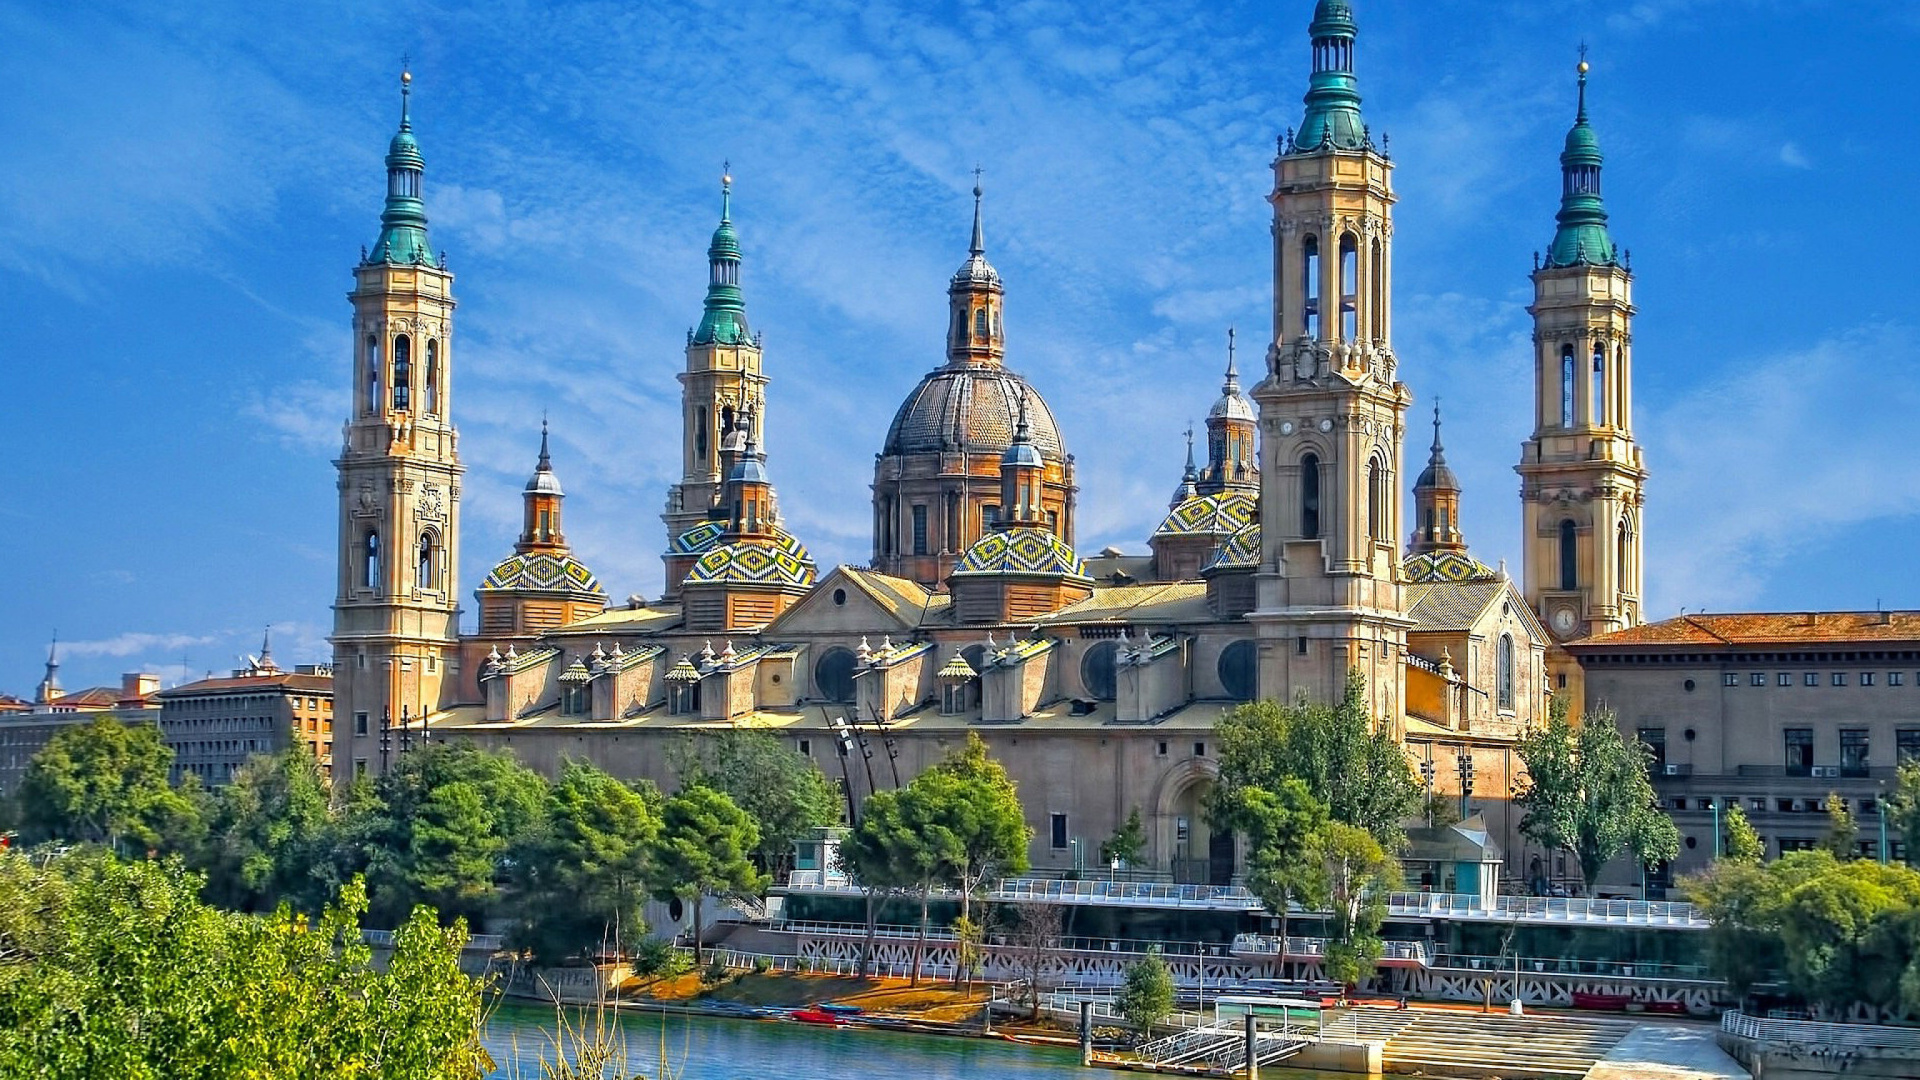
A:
x: 402, y: 372
x: 1239, y: 670
x: 1349, y: 287
x: 1623, y: 554
x: 1566, y: 386
x: 1097, y: 670
x: 1377, y: 309
x: 1597, y: 391
x: 1569, y: 557
x: 373, y: 373
x: 424, y: 576
x: 1376, y: 500
x: 1503, y: 679
x: 370, y: 560
x: 1310, y: 497
x: 980, y: 325
x: 700, y: 433
x: 833, y: 675
x: 1310, y: 286
x: 433, y: 378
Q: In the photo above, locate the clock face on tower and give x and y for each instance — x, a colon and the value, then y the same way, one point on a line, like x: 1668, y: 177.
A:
x: 1563, y: 621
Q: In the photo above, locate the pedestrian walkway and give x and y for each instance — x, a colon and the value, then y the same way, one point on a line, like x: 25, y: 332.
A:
x: 1668, y: 1052
x: 1437, y: 1042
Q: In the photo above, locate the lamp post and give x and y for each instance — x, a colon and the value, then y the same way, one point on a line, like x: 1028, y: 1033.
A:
x: 1466, y: 778
x: 386, y: 738
x: 1716, y: 826
x: 1426, y: 776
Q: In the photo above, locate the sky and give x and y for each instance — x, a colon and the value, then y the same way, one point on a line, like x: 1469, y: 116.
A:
x: 186, y: 189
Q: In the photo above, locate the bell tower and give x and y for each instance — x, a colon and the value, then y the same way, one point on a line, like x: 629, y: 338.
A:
x: 1582, y: 477
x: 1332, y: 409
x: 396, y: 612
x: 721, y: 383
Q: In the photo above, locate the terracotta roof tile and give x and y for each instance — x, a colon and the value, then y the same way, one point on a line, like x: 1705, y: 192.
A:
x: 302, y: 684
x: 1792, y: 628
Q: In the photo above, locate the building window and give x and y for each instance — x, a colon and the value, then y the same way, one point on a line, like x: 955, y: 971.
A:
x: 370, y: 558
x: 359, y: 723
x: 373, y: 373
x: 684, y: 698
x: 1349, y: 287
x: 1895, y: 678
x: 1811, y: 679
x: 1566, y: 386
x: 1597, y: 392
x: 1655, y: 740
x: 359, y: 766
x: 1866, y: 678
x: 1376, y: 501
x: 1310, y: 497
x: 1504, y: 674
x: 1161, y: 750
x: 1853, y: 751
x: 1569, y: 556
x: 1097, y: 671
x: 1906, y: 744
x: 1239, y: 670
x: 1758, y: 678
x: 1310, y: 286
x: 919, y: 529
x: 402, y: 372
x: 1839, y: 678
x: 953, y: 698
x: 1057, y: 831
x: 1199, y: 749
x: 433, y: 378
x: 424, y: 576
x: 833, y: 675
x: 1729, y: 679
x: 1799, y: 748
x: 806, y: 747
x: 1300, y: 646
x: 1785, y: 679
x: 989, y: 517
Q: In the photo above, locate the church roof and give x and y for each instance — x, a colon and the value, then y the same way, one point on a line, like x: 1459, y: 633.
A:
x: 781, y: 561
x: 698, y: 540
x: 1445, y: 566
x: 1021, y: 551
x: 1768, y: 629
x: 1159, y: 604
x: 1451, y: 607
x: 1241, y: 551
x: 542, y: 570
x: 975, y: 408
x: 1221, y: 514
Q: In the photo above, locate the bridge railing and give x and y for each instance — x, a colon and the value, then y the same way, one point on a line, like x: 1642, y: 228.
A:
x: 1815, y: 1033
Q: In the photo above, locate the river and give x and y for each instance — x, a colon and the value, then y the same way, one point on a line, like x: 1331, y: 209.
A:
x: 681, y: 1047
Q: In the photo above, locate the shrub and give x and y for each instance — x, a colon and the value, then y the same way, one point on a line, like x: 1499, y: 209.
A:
x: 658, y: 957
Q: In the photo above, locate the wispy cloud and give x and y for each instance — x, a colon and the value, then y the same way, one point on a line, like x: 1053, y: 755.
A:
x: 133, y: 642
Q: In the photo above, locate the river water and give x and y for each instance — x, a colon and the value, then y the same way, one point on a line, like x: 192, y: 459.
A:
x: 722, y: 1048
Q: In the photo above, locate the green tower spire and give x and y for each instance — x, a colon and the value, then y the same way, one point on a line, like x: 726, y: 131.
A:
x: 1333, y: 97
x: 403, y: 221
x: 724, y: 321
x: 1582, y: 236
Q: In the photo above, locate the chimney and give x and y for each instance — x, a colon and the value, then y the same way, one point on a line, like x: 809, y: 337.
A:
x: 137, y: 685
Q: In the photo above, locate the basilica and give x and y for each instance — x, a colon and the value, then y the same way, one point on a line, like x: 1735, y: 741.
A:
x: 1283, y: 562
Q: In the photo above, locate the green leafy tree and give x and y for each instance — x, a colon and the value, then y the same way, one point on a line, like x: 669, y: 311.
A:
x: 1127, y: 842
x: 271, y: 836
x: 782, y: 790
x: 1903, y: 809
x: 1842, y: 829
x: 1347, y: 761
x: 119, y: 969
x: 702, y: 849
x: 105, y: 782
x: 886, y: 855
x: 1743, y: 842
x: 444, y: 821
x: 972, y: 813
x: 581, y: 876
x: 1360, y: 875
x: 1587, y: 791
x: 1286, y: 831
x: 1147, y: 997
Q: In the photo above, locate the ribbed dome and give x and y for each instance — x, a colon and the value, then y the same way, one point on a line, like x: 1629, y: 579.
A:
x: 972, y: 407
x: 1439, y: 477
x: 1234, y: 406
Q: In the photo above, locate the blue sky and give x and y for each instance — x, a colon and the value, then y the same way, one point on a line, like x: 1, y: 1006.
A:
x: 185, y: 191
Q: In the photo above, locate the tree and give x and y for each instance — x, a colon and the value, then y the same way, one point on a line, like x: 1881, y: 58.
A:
x: 885, y: 856
x: 105, y: 782
x: 1743, y: 840
x: 1902, y: 807
x: 1587, y: 790
x: 971, y: 811
x: 581, y: 877
x: 1360, y: 875
x: 271, y: 836
x: 782, y: 790
x: 119, y: 969
x: 702, y: 849
x: 1842, y: 829
x: 445, y: 819
x: 1147, y: 997
x: 1286, y: 831
x: 1348, y: 762
x: 1035, y: 941
x: 1126, y: 843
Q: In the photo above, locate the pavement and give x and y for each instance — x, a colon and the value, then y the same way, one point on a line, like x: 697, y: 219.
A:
x: 1668, y: 1052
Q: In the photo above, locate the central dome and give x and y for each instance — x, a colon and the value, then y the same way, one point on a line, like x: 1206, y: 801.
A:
x: 974, y: 408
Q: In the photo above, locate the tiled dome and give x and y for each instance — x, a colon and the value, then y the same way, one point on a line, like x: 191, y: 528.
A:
x: 783, y: 561
x: 1446, y: 566
x: 971, y: 407
x: 1221, y: 514
x: 1240, y: 552
x: 1021, y: 551
x: 542, y: 570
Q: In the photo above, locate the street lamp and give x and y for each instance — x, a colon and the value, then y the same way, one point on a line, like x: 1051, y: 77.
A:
x: 1426, y: 776
x: 1466, y: 779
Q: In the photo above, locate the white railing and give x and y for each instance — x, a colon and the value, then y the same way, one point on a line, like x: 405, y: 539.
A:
x: 1547, y: 909
x: 1268, y: 945
x: 383, y: 939
x: 1569, y: 966
x: 1814, y: 1033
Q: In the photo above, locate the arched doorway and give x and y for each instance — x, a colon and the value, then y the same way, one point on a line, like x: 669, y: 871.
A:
x: 1199, y: 854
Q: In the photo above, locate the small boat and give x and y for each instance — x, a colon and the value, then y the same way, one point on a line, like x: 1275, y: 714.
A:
x: 1602, y: 1002
x: 817, y: 1016
x: 841, y: 1010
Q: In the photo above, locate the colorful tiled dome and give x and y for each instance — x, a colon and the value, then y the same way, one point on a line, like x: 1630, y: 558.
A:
x: 542, y: 570
x: 1446, y: 566
x: 1021, y: 551
x: 1221, y: 514
x: 698, y: 540
x: 1240, y: 552
x: 783, y: 561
